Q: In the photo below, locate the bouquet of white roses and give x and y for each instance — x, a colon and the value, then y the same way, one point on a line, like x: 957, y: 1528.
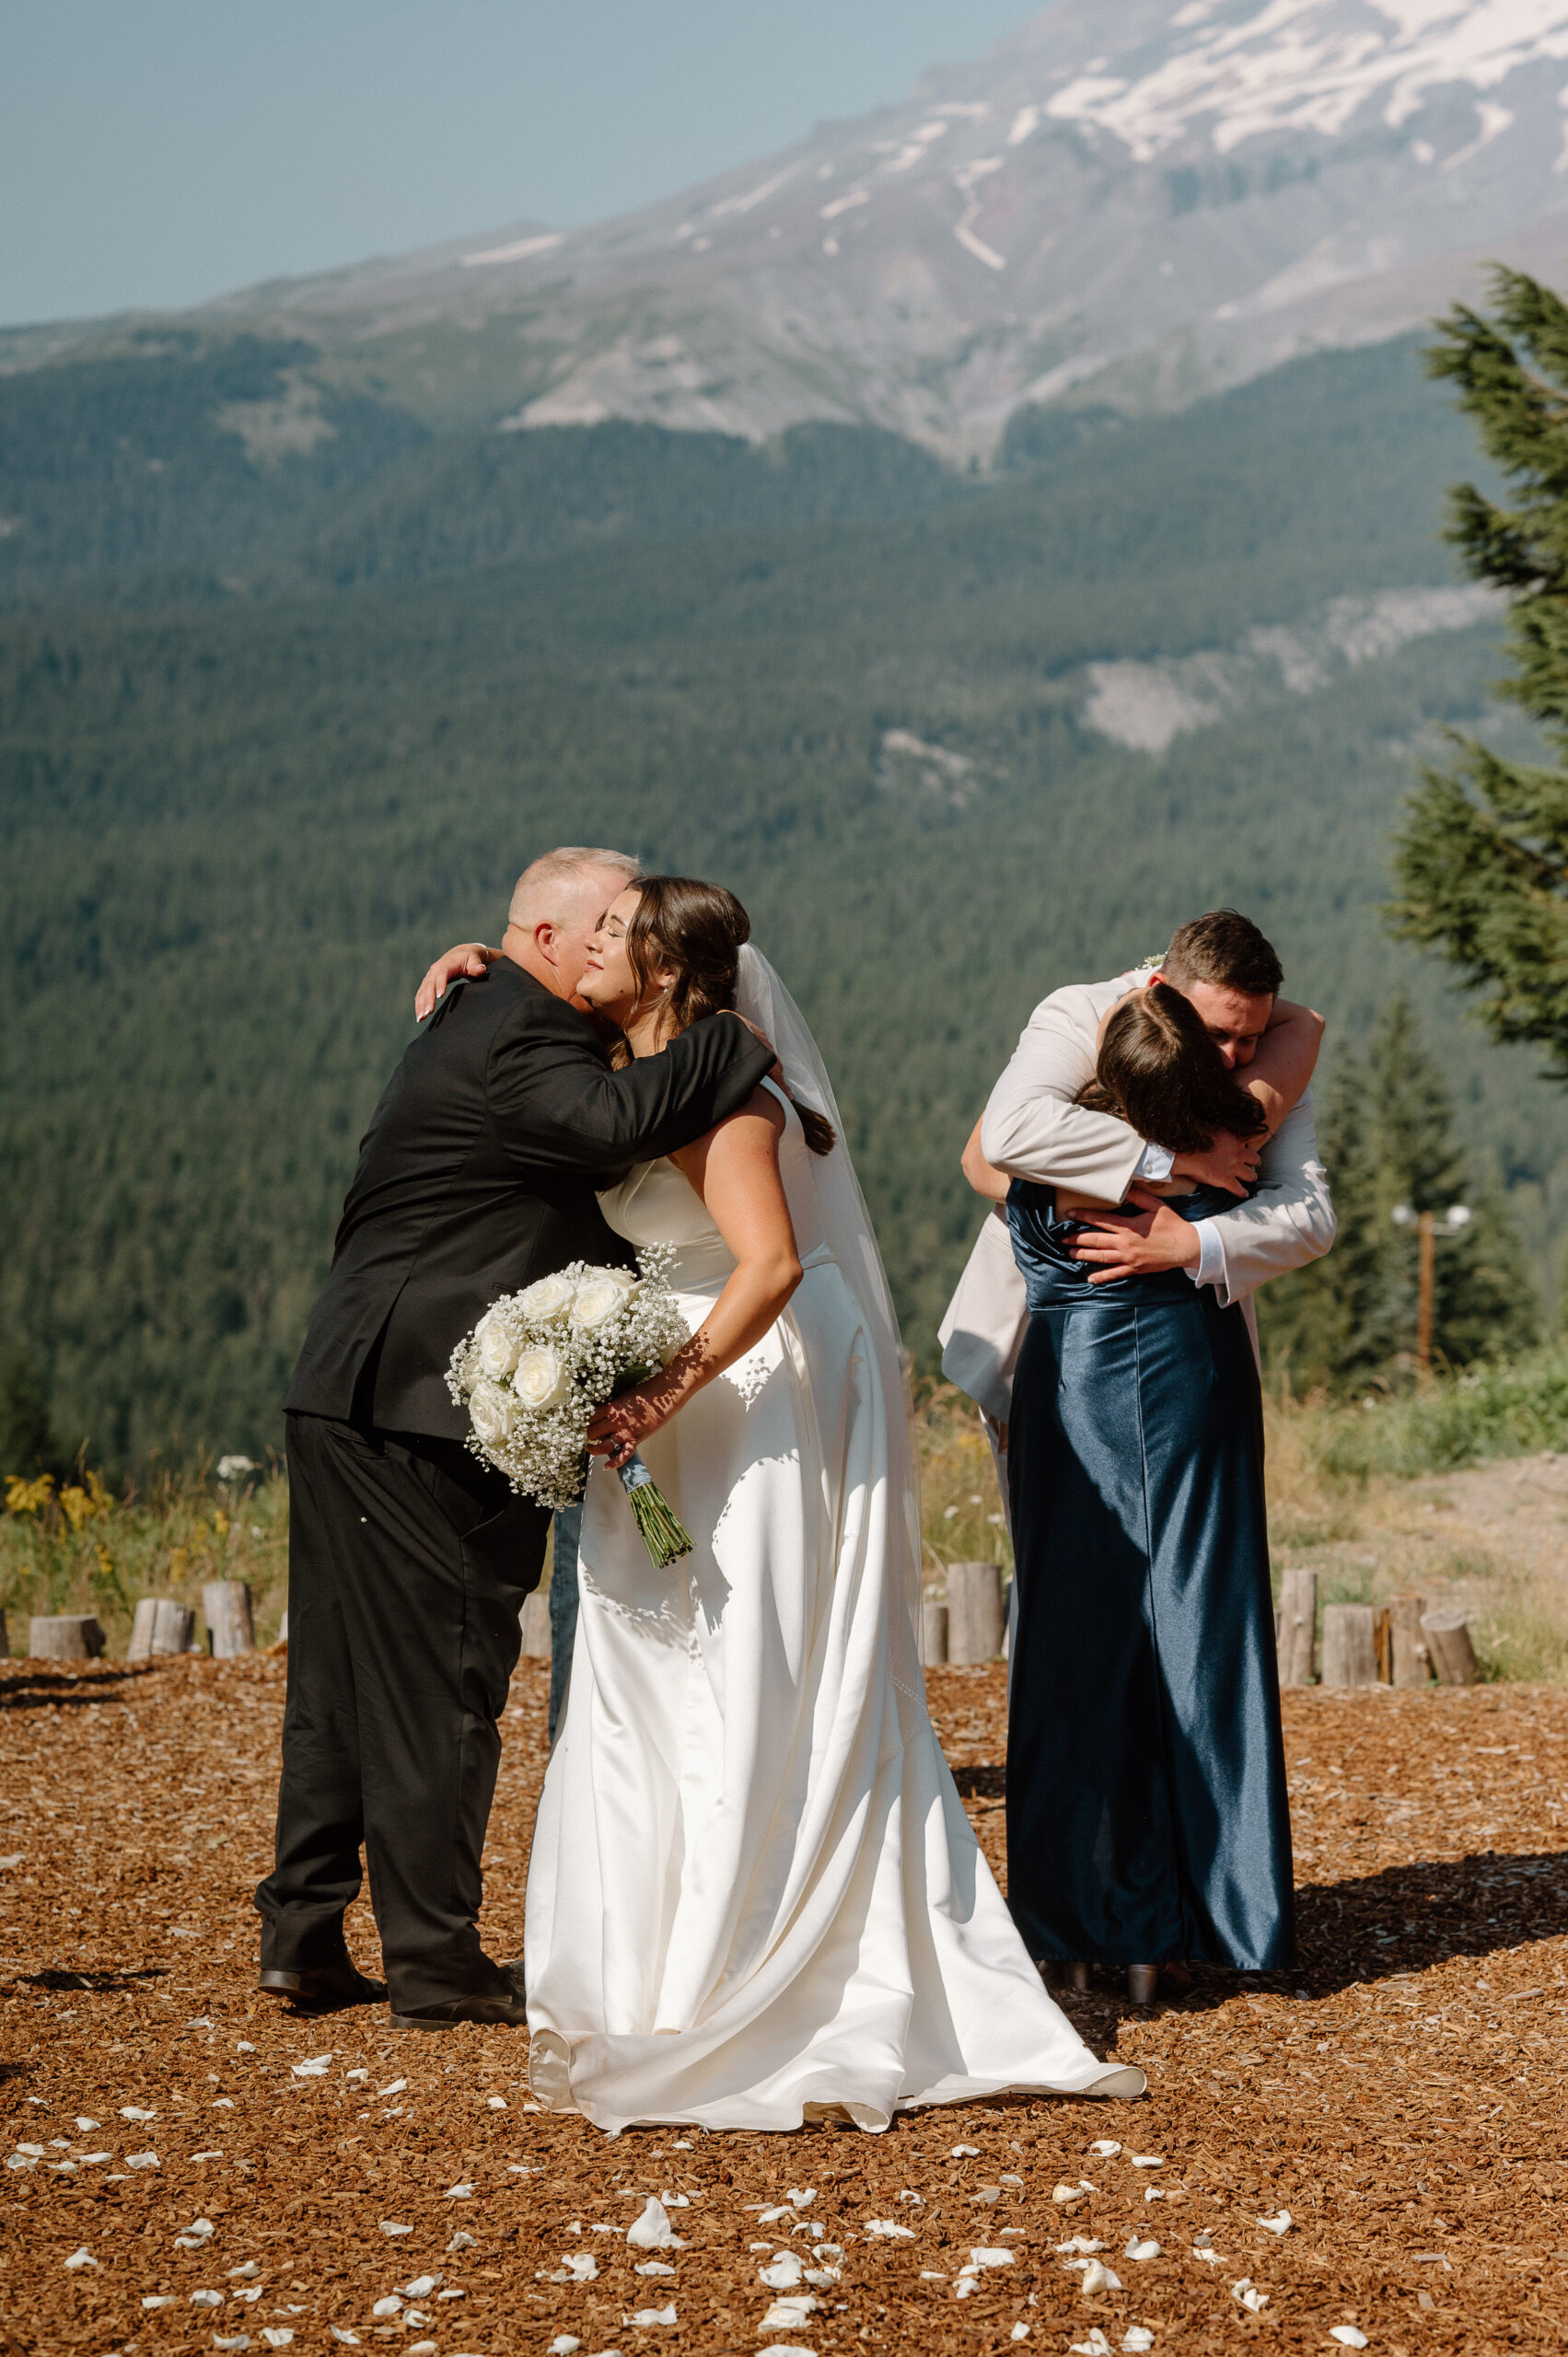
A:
x: 541, y: 1361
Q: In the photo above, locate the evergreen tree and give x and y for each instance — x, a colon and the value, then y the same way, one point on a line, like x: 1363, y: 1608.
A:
x: 27, y: 1445
x: 1388, y: 1140
x: 1483, y: 859
x: 1483, y: 1304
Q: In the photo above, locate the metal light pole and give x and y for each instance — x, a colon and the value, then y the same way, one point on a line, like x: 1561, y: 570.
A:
x: 1455, y: 1219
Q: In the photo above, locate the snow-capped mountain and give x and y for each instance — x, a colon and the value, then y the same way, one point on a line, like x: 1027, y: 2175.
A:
x: 1133, y: 201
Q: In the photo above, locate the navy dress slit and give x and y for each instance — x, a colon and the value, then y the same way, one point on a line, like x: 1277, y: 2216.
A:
x: 1148, y: 1820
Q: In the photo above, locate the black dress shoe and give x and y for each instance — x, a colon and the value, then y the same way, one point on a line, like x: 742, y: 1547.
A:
x: 504, y: 2005
x: 324, y: 1988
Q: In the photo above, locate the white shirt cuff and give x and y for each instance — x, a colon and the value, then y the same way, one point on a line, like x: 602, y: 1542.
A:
x: 1155, y: 1163
x: 1209, y: 1268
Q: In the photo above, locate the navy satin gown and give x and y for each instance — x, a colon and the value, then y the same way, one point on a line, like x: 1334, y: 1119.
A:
x: 1148, y: 1821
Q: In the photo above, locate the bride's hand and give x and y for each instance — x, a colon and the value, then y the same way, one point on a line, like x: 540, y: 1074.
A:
x: 469, y: 959
x: 622, y: 1424
x: 1231, y: 1163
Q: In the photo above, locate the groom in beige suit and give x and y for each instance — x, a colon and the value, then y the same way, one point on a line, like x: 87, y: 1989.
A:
x: 1033, y: 1129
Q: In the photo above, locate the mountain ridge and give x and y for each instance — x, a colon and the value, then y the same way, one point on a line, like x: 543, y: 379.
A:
x: 1134, y: 202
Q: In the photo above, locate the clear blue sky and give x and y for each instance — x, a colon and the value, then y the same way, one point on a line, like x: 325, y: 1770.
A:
x: 156, y: 152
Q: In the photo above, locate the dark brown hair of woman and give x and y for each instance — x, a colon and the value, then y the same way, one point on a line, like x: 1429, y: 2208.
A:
x: 1160, y: 1070
x: 697, y: 931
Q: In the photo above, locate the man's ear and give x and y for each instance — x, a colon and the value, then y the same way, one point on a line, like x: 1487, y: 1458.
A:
x: 544, y: 942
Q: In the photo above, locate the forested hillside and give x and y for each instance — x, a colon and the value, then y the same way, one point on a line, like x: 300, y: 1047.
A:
x: 234, y: 831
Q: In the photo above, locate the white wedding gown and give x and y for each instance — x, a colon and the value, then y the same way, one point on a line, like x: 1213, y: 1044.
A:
x: 754, y: 1894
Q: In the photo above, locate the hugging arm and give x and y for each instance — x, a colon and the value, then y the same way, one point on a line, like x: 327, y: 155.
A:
x: 558, y: 1106
x: 735, y: 1169
x: 466, y: 962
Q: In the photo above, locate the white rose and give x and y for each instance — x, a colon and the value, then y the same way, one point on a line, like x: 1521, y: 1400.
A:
x: 491, y: 1411
x: 541, y: 1378
x: 496, y: 1346
x: 550, y: 1298
x: 599, y: 1295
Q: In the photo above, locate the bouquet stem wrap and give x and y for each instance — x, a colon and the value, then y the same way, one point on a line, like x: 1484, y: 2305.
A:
x: 664, y: 1535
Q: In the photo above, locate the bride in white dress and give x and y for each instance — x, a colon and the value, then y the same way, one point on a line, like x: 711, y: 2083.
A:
x: 754, y: 1896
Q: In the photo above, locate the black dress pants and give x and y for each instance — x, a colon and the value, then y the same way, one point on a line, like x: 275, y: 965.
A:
x: 409, y: 1561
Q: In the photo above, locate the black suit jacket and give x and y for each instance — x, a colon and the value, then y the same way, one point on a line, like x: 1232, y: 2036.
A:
x: 477, y: 1175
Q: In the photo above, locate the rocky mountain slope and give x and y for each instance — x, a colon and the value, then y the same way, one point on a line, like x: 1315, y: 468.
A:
x: 1131, y: 201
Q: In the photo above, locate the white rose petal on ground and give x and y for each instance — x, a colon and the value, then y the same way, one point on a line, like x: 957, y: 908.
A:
x: 342, y: 2332
x: 1136, y: 2338
x: 783, y: 2274
x: 645, y: 2316
x: 393, y: 2087
x: 650, y: 2266
x: 419, y: 2287
x: 160, y: 2300
x: 1142, y: 2249
x: 801, y: 2196
x: 1098, y: 2277
x: 1279, y: 2224
x: 822, y: 2279
x: 457, y: 2193
x: 1097, y: 2345
x: 390, y: 2226
x: 460, y: 2242
x: 889, y: 2229
x: 453, y: 2291
x: 277, y: 2336
x: 234, y: 2341
x: 985, y: 2254
x: 1086, y: 2242
x: 244, y: 2272
x: 576, y: 2266
x: 1147, y: 2160
x: 80, y: 2258
x: 1106, y: 2149
x: 1019, y: 2332
x: 206, y: 2299
x: 771, y: 2216
x: 788, y: 2314
x: 497, y: 2103
x: 1347, y: 2335
x: 87, y: 2125
x: 964, y: 2152
x: 391, y: 2306
x: 314, y: 2067
x: 653, y: 2230
x: 565, y: 2344
x: 247, y: 2292
x: 129, y: 2111
x: 1066, y: 2195
x: 420, y: 2349
x: 915, y: 2199
x: 1247, y: 2291
x: 142, y: 2161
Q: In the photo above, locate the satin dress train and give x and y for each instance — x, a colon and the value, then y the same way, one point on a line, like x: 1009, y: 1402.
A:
x: 1148, y: 1820
x: 754, y: 1895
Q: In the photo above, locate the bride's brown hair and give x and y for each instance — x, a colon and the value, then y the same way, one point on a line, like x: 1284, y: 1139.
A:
x: 696, y: 931
x: 1161, y: 1072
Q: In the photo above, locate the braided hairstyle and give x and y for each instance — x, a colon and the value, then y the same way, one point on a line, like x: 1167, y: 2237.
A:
x: 695, y: 932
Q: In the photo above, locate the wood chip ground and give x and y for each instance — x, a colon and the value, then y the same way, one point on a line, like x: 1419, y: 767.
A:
x: 1402, y: 2094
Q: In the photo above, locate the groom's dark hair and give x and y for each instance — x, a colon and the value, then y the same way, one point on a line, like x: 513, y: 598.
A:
x: 1223, y: 948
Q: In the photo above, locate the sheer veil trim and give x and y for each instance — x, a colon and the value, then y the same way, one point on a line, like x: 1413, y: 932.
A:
x: 763, y: 999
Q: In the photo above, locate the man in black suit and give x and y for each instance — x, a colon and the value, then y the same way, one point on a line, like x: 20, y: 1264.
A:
x: 409, y: 1559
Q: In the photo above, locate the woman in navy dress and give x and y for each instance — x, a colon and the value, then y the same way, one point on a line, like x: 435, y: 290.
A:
x: 1148, y: 1821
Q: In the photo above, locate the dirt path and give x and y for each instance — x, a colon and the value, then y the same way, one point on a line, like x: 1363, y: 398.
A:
x: 1399, y: 2094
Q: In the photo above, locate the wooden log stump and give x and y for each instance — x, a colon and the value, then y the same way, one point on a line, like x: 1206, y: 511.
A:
x: 1453, y: 1656
x: 933, y: 1631
x: 161, y: 1626
x: 65, y: 1636
x: 1350, y: 1645
x: 1412, y: 1654
x: 1383, y: 1643
x: 1295, y: 1626
x: 535, y: 1620
x: 226, y: 1604
x: 974, y: 1612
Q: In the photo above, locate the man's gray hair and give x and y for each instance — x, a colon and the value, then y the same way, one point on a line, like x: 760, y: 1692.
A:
x: 538, y: 890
